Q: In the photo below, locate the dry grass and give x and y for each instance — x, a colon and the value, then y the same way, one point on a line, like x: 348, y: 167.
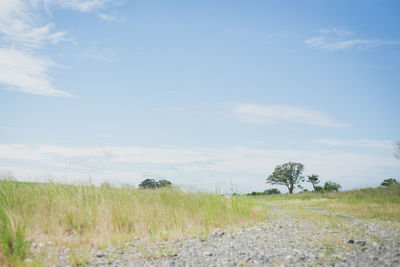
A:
x: 93, y: 215
x: 380, y: 203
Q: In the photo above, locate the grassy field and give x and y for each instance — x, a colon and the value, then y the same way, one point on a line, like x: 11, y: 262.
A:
x: 80, y: 215
x: 380, y: 203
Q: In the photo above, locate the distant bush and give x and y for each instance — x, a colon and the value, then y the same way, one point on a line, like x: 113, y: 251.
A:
x: 152, y: 184
x: 332, y: 187
x: 389, y: 182
x: 318, y: 189
x: 272, y: 191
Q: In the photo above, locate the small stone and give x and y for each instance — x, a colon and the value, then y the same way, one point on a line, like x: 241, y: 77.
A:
x: 100, y: 254
x: 351, y: 241
x: 207, y: 254
x: 360, y: 242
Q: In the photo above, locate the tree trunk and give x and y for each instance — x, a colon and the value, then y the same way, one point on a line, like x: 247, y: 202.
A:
x: 290, y: 189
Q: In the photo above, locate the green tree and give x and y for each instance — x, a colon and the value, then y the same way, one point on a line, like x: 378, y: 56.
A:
x: 288, y: 174
x: 319, y: 189
x: 314, y: 180
x: 332, y: 187
x: 152, y: 183
x: 164, y: 183
x: 389, y: 182
x: 148, y: 184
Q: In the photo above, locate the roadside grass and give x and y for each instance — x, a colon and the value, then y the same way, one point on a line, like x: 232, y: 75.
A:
x: 379, y: 203
x: 58, y: 214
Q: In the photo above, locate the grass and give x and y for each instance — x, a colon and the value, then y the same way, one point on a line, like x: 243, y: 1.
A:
x: 379, y: 203
x: 66, y: 214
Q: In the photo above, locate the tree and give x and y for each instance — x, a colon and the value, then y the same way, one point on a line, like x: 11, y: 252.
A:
x: 152, y: 183
x: 148, y: 184
x: 332, y: 187
x: 389, y: 182
x: 314, y: 180
x: 319, y: 189
x: 164, y: 183
x: 288, y: 174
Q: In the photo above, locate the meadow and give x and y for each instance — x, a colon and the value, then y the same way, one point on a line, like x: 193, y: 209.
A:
x: 381, y: 203
x: 78, y: 216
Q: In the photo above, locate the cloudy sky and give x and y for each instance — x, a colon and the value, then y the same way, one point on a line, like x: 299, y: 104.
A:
x: 207, y: 94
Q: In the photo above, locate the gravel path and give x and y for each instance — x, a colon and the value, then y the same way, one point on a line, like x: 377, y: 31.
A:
x: 310, y: 237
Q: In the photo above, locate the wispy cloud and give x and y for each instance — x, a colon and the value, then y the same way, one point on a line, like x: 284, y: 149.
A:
x: 83, y: 5
x: 276, y: 114
x: 22, y: 68
x: 109, y: 17
x: 338, y: 39
x: 21, y: 71
x: 24, y: 31
x: 198, y: 166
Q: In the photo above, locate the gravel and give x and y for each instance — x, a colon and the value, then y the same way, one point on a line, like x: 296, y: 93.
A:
x: 283, y: 239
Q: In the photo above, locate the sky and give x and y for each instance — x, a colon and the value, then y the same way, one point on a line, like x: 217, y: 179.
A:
x: 211, y: 95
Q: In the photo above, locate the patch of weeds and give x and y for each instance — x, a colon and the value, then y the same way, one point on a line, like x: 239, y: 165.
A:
x: 79, y: 257
x: 15, y: 246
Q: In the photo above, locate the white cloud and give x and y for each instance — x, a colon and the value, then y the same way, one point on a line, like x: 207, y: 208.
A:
x: 23, y: 31
x: 23, y: 72
x: 82, y: 5
x: 274, y: 114
x: 202, y: 167
x: 20, y: 25
x: 336, y: 31
x: 109, y: 17
x: 338, y: 39
x: 22, y: 34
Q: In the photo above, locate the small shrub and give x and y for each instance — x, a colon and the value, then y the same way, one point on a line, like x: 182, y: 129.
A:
x: 332, y: 187
x: 13, y: 237
x: 389, y: 182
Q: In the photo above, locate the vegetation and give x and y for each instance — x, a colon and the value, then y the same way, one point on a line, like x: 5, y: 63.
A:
x: 288, y: 174
x: 389, y: 182
x: 90, y: 215
x: 152, y: 184
x: 314, y: 180
x: 332, y: 187
x: 382, y: 202
x: 272, y: 191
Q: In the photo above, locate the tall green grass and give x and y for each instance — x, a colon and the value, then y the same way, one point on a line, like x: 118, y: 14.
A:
x: 90, y: 214
x: 14, y: 244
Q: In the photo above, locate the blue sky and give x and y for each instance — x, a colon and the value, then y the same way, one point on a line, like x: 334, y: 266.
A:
x: 207, y: 94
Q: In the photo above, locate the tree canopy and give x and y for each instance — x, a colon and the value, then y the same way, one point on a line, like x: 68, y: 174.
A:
x: 288, y: 174
x: 314, y: 180
x: 389, y: 182
x: 152, y: 183
x: 332, y: 187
